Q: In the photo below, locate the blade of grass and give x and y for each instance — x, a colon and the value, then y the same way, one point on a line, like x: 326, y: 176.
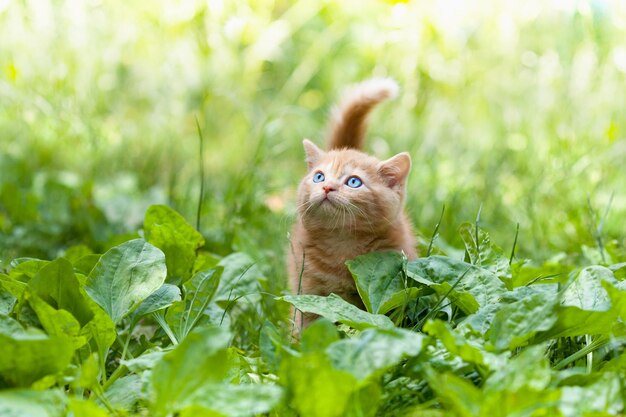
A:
x: 434, y: 236
x: 514, y: 244
x: 201, y: 173
x: 480, y: 209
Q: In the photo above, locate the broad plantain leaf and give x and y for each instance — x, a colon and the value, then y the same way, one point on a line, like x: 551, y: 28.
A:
x: 125, y: 276
x: 466, y: 285
x: 200, y: 359
x: 125, y: 392
x: 162, y: 298
x: 24, y: 269
x: 336, y: 309
x: 57, y: 285
x: 85, y: 408
x: 573, y: 321
x: 374, y: 351
x: 469, y: 349
x: 146, y: 361
x: 235, y: 400
x: 456, y: 394
x: 7, y: 300
x: 241, y: 277
x: 602, y: 398
x: 12, y: 286
x: 31, y: 403
x: 586, y: 306
x: 586, y: 291
x: 521, y: 387
x: 514, y: 324
x: 184, y: 315
x: 318, y: 336
x: 58, y: 323
x: 100, y: 328
x: 316, y: 387
x: 28, y: 355
x: 378, y: 276
x: 485, y: 254
x: 170, y: 232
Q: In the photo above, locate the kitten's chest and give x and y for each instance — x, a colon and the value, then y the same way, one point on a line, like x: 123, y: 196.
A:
x: 328, y: 257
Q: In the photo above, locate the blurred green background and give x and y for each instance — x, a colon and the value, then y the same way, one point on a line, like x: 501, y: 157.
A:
x: 518, y: 107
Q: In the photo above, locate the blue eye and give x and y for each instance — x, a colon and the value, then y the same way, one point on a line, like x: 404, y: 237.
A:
x: 318, y: 177
x: 354, y: 182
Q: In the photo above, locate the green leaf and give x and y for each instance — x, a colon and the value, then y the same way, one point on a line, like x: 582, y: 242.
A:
x: 9, y: 325
x: 57, y: 285
x: 184, y: 315
x: 199, y: 411
x: 125, y: 276
x: 619, y: 270
x: 100, y: 328
x: 603, y: 396
x: 86, y: 264
x: 170, y: 232
x: 516, y: 323
x: 374, y: 351
x: 162, y: 298
x: 57, y: 322
x: 573, y: 321
x: 201, y: 358
x: 241, y: 277
x: 617, y: 294
x: 85, y: 408
x: 530, y: 369
x: 88, y: 375
x: 586, y: 291
x: 469, y: 349
x: 336, y: 309
x: 466, y: 285
x: 31, y: 403
x: 125, y: 392
x: 589, y: 305
x: 7, y: 300
x: 74, y: 253
x: 27, y: 356
x: 237, y: 400
x: 144, y: 362
x: 316, y: 388
x: 485, y: 254
x: 457, y: 394
x: 318, y: 336
x: 378, y: 277
x: 522, y: 387
x: 12, y: 286
x: 25, y: 268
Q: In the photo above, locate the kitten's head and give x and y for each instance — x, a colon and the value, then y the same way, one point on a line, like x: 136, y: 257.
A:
x: 347, y: 189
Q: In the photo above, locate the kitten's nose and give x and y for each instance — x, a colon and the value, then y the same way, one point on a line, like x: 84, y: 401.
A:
x: 328, y: 189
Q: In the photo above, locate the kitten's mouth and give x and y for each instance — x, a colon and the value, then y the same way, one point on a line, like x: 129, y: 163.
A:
x: 327, y: 199
x: 326, y: 203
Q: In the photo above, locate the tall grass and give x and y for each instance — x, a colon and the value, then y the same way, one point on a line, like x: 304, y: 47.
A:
x: 515, y: 107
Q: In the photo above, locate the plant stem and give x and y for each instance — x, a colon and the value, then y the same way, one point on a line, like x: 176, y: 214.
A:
x: 596, y: 344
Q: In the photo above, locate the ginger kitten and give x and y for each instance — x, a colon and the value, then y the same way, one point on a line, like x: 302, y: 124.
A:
x: 349, y: 203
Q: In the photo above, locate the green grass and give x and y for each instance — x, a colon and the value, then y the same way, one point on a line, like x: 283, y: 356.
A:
x: 514, y: 117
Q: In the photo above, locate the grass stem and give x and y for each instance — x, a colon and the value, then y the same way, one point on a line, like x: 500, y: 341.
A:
x: 201, y: 173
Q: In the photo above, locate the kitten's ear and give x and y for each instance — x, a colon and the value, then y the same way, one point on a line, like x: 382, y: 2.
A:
x: 395, y: 170
x: 313, y: 153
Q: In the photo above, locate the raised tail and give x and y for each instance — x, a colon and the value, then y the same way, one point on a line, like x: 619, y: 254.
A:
x: 348, y: 121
